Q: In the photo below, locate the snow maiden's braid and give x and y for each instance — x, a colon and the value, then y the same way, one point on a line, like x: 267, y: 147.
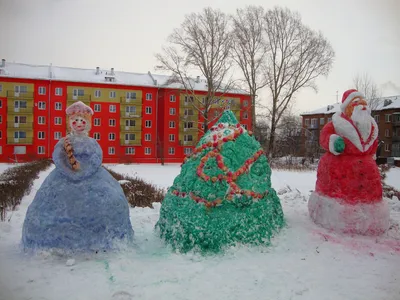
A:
x: 70, y: 154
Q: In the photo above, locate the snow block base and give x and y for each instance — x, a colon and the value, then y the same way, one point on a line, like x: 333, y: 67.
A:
x: 339, y: 216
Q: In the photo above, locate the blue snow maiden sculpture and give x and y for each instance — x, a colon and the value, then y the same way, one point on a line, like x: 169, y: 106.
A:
x: 80, y: 207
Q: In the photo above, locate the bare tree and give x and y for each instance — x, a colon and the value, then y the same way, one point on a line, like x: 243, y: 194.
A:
x: 364, y: 84
x: 249, y: 50
x: 296, y: 56
x: 202, y: 44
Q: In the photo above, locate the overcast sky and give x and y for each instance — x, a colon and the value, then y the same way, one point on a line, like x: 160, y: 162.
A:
x: 125, y: 34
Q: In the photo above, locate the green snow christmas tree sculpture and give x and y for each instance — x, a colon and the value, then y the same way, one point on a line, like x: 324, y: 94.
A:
x: 223, y: 194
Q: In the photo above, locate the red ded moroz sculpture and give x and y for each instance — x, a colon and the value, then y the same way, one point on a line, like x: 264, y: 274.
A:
x: 348, y: 193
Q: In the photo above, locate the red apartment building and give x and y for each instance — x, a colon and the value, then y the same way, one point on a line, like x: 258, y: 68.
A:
x: 137, y: 117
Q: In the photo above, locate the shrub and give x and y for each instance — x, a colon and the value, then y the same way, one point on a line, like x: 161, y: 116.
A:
x: 138, y: 192
x: 17, y: 182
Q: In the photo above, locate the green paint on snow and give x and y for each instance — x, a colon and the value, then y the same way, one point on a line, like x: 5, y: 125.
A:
x: 187, y: 225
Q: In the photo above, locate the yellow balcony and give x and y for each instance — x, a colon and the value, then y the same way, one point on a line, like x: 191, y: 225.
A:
x: 137, y: 127
x: 187, y: 143
x: 20, y: 95
x: 131, y: 142
x: 27, y: 140
x: 73, y: 98
x: 13, y: 110
x: 11, y: 125
x: 127, y: 101
x: 130, y: 115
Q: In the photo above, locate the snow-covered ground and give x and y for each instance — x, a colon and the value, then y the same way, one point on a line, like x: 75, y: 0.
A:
x: 304, y: 262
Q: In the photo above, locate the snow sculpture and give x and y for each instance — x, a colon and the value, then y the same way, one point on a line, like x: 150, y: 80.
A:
x: 80, y: 206
x: 348, y: 194
x: 223, y: 194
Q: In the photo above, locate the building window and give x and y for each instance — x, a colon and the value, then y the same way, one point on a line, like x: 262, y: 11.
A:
x: 329, y: 120
x: 314, y: 123
x: 57, y: 121
x: 149, y: 96
x: 20, y: 119
x: 97, y: 93
x: 307, y: 122
x: 387, y: 133
x: 388, y: 118
x: 188, y: 99
x: 129, y: 150
x: 130, y: 95
x: 1, y: 87
x: 57, y: 135
x: 377, y: 118
x: 245, y: 115
x: 187, y: 151
x: 172, y: 111
x: 78, y: 93
x: 188, y: 112
x: 1, y: 119
x: 111, y: 150
x: 187, y: 125
x: 113, y: 108
x: 40, y: 150
x: 42, y: 105
x: 171, y: 151
x: 58, y: 106
x: 97, y: 122
x: 130, y: 137
x: 147, y: 124
x: 130, y: 123
x: 1, y: 149
x: 96, y: 136
x: 41, y: 120
x: 188, y: 138
x: 41, y: 135
x: 59, y: 91
x: 148, y: 110
x: 244, y: 126
x: 111, y: 136
x: 112, y: 94
x: 42, y: 90
x: 387, y: 147
x: 112, y: 122
x: 1, y: 134
x: 130, y: 110
x: 171, y: 124
x: 19, y: 134
x: 147, y: 137
x: 172, y: 98
x: 321, y: 121
x: 172, y: 137
x: 97, y: 107
x: 245, y: 103
x: 147, y: 151
x: 1, y: 103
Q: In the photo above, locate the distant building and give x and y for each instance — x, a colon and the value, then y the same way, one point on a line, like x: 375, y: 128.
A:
x: 386, y: 114
x: 137, y: 117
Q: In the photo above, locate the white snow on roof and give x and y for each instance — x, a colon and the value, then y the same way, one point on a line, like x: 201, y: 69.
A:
x: 384, y: 103
x: 19, y: 70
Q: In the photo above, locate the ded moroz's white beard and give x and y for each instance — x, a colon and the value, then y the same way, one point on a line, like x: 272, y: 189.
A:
x: 363, y: 121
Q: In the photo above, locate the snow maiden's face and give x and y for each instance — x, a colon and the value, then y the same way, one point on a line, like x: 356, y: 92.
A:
x: 80, y: 124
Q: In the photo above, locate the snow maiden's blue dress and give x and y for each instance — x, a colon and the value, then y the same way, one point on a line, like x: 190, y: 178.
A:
x: 81, y: 210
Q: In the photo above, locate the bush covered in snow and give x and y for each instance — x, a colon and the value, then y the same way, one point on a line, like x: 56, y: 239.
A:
x: 138, y: 192
x: 17, y: 182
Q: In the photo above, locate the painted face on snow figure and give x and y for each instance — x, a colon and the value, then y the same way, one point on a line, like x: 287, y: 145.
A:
x: 80, y: 124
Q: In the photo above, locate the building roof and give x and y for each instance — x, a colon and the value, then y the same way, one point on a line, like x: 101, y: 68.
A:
x: 47, y: 72
x: 383, y: 103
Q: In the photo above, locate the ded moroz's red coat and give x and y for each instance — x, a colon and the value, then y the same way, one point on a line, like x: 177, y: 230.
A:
x: 353, y: 175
